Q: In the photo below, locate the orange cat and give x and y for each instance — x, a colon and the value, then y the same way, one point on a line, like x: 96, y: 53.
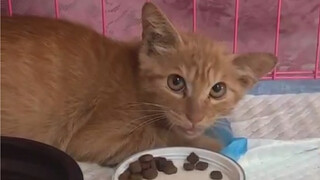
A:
x: 102, y: 100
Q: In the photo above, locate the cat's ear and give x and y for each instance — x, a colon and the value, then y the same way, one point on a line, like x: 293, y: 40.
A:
x: 252, y: 66
x: 158, y: 36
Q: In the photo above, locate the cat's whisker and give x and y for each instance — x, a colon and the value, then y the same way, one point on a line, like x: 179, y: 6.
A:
x: 146, y: 123
x: 144, y: 117
x: 172, y: 125
x: 148, y: 116
x: 148, y: 104
x: 177, y: 116
x: 145, y: 110
x: 173, y: 112
x: 163, y: 109
x: 153, y: 104
x: 169, y: 130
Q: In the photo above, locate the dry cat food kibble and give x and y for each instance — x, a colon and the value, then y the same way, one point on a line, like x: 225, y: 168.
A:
x: 153, y: 164
x: 193, y: 158
x: 170, y: 168
x: 188, y: 166
x: 216, y: 175
x: 135, y: 167
x: 160, y: 163
x: 146, y: 158
x: 147, y: 167
x: 194, y: 163
x: 125, y: 175
x: 135, y: 177
x: 201, y: 166
x: 150, y: 173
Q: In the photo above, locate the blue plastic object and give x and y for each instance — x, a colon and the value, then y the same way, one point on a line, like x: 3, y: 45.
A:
x: 234, y: 147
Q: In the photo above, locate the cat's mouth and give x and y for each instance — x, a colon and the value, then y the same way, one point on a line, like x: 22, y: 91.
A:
x: 185, y: 128
x: 192, y: 132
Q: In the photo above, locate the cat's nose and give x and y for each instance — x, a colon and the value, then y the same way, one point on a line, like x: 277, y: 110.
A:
x: 195, y: 118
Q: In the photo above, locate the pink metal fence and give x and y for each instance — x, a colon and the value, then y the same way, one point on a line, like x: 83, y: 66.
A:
x: 314, y: 74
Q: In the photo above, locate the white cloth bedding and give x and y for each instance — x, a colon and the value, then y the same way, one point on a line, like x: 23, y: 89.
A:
x: 282, y: 160
x: 285, y: 117
x: 284, y: 138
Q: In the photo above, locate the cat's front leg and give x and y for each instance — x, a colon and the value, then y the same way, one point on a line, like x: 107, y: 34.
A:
x: 202, y: 141
x: 205, y: 142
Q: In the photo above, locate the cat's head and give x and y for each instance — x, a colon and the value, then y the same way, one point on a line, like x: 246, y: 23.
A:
x: 192, y: 77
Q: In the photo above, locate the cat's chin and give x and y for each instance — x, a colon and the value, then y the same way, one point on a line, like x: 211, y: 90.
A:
x: 188, y: 133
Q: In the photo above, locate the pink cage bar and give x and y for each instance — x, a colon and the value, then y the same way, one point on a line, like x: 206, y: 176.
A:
x: 276, y: 74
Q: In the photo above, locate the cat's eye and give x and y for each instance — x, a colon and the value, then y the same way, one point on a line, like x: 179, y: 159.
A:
x: 218, y: 90
x: 176, y: 82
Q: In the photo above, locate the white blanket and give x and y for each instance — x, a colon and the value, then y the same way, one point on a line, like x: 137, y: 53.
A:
x: 265, y: 120
x: 282, y: 160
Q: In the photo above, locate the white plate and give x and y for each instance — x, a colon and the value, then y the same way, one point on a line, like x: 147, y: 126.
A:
x: 229, y: 168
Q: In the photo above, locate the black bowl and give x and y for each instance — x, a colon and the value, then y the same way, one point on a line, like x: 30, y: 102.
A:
x: 23, y: 159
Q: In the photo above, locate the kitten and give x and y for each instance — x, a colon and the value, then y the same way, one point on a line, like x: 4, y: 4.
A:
x: 102, y: 100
